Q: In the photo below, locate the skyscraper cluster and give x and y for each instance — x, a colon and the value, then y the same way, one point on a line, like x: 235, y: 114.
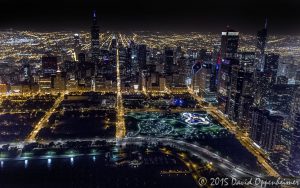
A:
x: 258, y: 90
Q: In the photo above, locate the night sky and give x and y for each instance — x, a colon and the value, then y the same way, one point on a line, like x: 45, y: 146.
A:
x: 157, y: 15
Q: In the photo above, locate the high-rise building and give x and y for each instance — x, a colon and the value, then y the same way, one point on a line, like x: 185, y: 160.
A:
x: 288, y: 67
x: 95, y: 41
x: 224, y: 84
x: 236, y: 89
x: 49, y: 65
x: 27, y: 72
x: 204, y: 82
x: 113, y: 44
x: 264, y: 80
x: 169, y: 61
x: 142, y: 56
x: 280, y: 98
x: 246, y: 101
x: 69, y: 66
x: 271, y: 66
x: 195, y: 78
x: 226, y: 59
x: 216, y: 59
x: 261, y: 46
x: 262, y: 84
x: 59, y: 82
x: 247, y: 60
x: 229, y: 44
x: 294, y: 162
x: 265, y: 128
x: 76, y: 44
x: 81, y: 57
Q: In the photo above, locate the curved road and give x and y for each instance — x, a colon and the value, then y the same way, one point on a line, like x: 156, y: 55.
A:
x: 230, y: 169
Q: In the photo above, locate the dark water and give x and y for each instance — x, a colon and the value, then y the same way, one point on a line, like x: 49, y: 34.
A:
x: 88, y: 172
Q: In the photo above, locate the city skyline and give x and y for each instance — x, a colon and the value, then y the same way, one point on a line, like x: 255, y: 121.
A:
x: 148, y: 109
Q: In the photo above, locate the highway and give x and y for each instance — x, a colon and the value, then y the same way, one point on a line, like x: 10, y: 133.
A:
x: 218, y: 162
x: 229, y: 168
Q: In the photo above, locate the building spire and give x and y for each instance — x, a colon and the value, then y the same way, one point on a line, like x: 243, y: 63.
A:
x: 94, y: 18
x: 266, y: 23
x: 94, y: 14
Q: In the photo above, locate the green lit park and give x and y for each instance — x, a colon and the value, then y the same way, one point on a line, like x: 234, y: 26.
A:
x: 194, y: 127
x: 185, y: 125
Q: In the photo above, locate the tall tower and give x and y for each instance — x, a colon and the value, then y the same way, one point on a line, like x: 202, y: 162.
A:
x: 95, y: 43
x: 229, y: 44
x: 226, y: 60
x: 261, y: 46
x: 76, y: 45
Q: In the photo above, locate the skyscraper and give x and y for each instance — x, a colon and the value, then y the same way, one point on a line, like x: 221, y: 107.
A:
x: 236, y: 87
x: 261, y: 45
x: 142, y: 56
x: 225, y: 83
x: 294, y: 162
x: 266, y: 79
x: 169, y: 60
x: 95, y: 43
x: 265, y: 128
x: 229, y: 44
x: 49, y: 65
x: 27, y: 72
x: 203, y: 80
x: 227, y: 58
x: 271, y: 66
x: 76, y: 44
x: 59, y: 81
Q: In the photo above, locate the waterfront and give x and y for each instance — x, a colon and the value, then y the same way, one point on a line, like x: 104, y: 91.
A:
x: 203, y: 131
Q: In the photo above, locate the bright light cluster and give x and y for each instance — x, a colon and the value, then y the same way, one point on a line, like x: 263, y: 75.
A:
x: 195, y: 118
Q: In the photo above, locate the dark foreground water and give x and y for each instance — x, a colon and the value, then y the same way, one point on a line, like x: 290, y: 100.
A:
x: 90, y: 172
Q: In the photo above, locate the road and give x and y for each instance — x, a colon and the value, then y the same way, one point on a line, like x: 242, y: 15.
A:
x: 225, y: 166
x: 229, y: 168
x: 241, y: 136
x: 174, y: 110
x: 45, y: 118
x: 120, y: 124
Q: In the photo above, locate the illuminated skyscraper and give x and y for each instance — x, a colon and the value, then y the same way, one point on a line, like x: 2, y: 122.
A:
x: 95, y: 43
x: 266, y: 79
x: 265, y: 128
x: 236, y: 89
x: 142, y: 56
x: 229, y: 44
x: 295, y: 146
x: 261, y: 46
x: 59, y: 81
x: 227, y: 58
x: 169, y: 60
x: 27, y: 72
x: 76, y: 44
x: 49, y: 65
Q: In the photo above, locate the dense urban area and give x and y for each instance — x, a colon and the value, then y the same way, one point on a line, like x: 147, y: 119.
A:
x: 167, y: 109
